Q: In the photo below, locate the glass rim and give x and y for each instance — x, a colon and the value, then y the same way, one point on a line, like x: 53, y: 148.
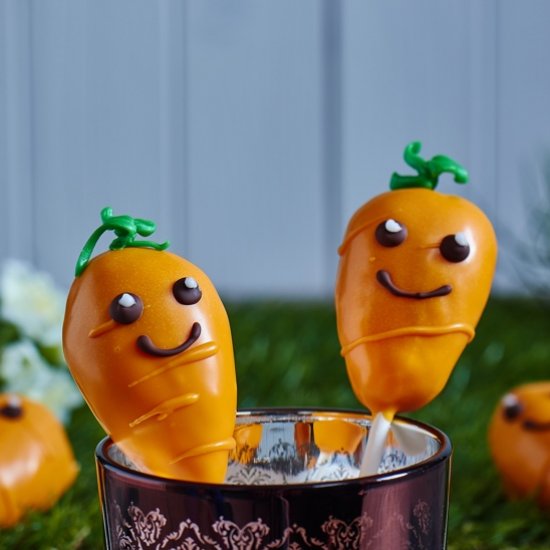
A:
x: 441, y: 455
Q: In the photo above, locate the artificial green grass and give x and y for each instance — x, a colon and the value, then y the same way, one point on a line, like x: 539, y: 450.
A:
x: 287, y: 355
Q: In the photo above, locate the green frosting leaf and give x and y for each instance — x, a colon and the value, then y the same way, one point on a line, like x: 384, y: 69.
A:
x: 126, y: 229
x: 428, y: 171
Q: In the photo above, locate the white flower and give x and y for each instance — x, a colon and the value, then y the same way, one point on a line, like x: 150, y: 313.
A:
x: 30, y: 300
x: 24, y: 371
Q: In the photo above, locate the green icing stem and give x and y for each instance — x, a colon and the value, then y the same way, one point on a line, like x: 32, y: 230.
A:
x: 126, y: 229
x: 428, y: 170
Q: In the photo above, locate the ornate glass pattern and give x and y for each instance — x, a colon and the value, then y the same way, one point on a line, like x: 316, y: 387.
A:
x: 293, y: 483
x: 139, y: 530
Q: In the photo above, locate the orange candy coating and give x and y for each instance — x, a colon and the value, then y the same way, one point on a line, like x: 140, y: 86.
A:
x: 519, y: 439
x: 335, y: 434
x: 248, y: 438
x: 36, y: 460
x: 400, y: 350
x: 174, y: 415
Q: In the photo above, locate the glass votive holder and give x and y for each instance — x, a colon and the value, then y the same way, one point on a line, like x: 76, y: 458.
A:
x: 292, y: 482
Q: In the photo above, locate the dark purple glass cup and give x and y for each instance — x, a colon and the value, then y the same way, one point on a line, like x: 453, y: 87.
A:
x: 293, y: 482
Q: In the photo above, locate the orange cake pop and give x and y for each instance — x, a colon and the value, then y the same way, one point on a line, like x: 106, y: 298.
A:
x: 36, y: 460
x: 415, y: 273
x: 147, y: 340
x: 519, y: 438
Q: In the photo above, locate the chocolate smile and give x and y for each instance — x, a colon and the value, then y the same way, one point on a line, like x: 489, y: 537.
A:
x: 532, y: 426
x: 146, y: 345
x: 384, y: 278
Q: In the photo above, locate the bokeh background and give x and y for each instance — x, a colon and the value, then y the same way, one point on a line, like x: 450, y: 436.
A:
x: 251, y: 130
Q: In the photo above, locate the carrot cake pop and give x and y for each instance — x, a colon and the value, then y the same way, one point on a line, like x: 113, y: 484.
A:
x: 415, y: 271
x: 519, y: 439
x: 147, y: 340
x: 36, y: 460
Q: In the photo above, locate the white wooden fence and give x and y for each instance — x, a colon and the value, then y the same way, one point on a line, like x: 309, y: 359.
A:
x: 250, y: 130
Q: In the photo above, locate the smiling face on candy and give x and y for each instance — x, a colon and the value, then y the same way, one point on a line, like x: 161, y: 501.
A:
x: 36, y: 460
x: 148, y: 342
x: 519, y: 439
x: 415, y: 272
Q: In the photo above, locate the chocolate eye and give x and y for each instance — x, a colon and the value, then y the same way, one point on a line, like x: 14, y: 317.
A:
x: 12, y: 409
x: 126, y: 308
x: 390, y: 233
x: 455, y: 248
x: 187, y: 291
x: 511, y: 407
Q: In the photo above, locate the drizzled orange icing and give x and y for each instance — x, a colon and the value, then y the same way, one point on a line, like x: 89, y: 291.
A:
x: 411, y: 331
x: 170, y: 405
x: 405, y: 311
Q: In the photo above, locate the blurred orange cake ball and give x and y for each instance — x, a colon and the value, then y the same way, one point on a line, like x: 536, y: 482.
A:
x: 519, y: 438
x: 37, y: 464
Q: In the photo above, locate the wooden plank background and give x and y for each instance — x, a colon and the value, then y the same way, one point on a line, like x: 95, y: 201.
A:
x: 251, y: 130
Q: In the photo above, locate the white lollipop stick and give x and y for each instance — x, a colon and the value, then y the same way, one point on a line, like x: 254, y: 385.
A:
x: 376, y: 443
